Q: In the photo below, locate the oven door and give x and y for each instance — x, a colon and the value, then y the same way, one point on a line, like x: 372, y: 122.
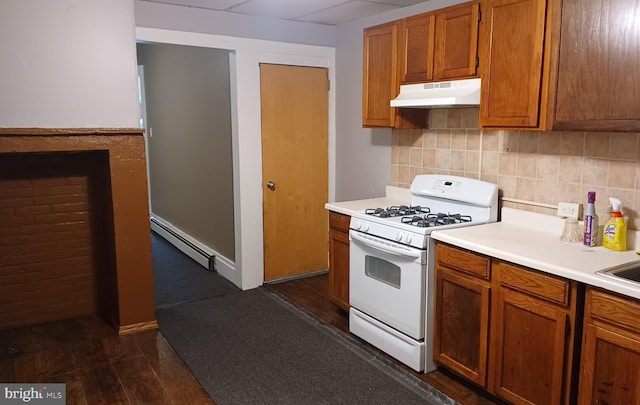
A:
x: 387, y: 282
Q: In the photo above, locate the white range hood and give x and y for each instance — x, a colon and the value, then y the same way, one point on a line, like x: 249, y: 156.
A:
x: 457, y: 93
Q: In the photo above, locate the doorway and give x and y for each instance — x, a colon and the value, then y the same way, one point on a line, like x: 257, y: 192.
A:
x: 294, y: 110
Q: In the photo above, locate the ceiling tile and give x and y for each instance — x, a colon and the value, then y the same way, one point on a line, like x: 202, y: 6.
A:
x: 400, y: 2
x: 343, y: 13
x: 287, y: 9
x: 210, y: 4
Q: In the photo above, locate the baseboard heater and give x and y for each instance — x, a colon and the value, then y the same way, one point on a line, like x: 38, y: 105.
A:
x: 211, y: 259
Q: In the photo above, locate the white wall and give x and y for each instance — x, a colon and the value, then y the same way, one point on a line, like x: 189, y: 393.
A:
x: 246, y: 56
x: 363, y: 155
x: 68, y: 64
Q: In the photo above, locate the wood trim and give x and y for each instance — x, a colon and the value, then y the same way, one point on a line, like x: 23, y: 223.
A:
x: 137, y: 327
x: 69, y: 131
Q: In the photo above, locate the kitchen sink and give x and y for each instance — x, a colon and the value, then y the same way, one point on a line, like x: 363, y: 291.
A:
x: 629, y: 273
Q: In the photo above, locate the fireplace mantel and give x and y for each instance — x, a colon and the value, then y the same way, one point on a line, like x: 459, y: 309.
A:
x: 133, y: 308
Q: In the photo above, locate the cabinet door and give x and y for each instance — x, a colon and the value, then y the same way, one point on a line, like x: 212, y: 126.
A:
x: 456, y: 47
x: 417, y: 40
x: 529, y: 341
x: 379, y: 75
x: 610, y: 368
x: 512, y: 76
x: 381, y: 84
x: 339, y: 268
x: 598, y: 84
x: 461, y: 324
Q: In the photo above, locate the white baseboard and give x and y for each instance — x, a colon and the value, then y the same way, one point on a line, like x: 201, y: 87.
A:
x: 194, y: 249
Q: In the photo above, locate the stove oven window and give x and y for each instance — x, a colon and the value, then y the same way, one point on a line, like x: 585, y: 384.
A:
x: 382, y: 270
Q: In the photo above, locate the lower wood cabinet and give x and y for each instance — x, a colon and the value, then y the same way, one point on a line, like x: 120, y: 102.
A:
x: 339, y: 259
x: 610, y: 364
x: 533, y: 335
x: 462, y: 312
x: 510, y: 329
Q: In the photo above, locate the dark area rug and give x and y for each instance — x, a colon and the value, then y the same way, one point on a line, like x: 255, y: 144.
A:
x: 178, y: 278
x: 253, y: 347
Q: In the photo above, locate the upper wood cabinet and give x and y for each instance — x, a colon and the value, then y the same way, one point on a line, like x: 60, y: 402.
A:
x: 561, y: 65
x: 417, y: 42
x: 441, y: 45
x: 379, y: 73
x: 456, y: 50
x: 435, y: 46
x: 380, y: 81
x: 598, y: 80
x: 512, y: 59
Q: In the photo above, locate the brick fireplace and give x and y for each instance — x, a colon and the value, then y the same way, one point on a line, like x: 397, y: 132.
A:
x: 74, y: 227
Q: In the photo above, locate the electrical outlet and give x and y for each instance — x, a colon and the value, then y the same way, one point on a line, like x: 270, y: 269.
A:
x: 569, y: 210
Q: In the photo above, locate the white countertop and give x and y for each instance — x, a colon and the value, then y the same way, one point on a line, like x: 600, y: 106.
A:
x: 533, y: 240
x: 394, y: 196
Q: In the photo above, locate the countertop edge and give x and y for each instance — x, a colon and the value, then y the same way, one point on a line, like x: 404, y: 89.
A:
x: 586, y: 276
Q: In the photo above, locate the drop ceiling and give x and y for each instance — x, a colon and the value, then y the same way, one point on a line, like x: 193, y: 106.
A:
x: 330, y: 12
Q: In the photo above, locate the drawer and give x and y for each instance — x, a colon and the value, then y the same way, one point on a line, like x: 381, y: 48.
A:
x: 614, y: 309
x: 547, y: 287
x: 463, y: 260
x: 339, y: 221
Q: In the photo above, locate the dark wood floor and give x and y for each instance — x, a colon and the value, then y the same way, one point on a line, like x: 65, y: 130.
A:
x: 100, y: 367
x: 97, y: 365
x: 311, y: 293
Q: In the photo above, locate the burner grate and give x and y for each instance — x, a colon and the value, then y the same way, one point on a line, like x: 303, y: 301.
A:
x: 439, y: 219
x: 397, y: 211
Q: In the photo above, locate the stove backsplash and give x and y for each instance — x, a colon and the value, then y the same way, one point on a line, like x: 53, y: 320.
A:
x: 545, y: 167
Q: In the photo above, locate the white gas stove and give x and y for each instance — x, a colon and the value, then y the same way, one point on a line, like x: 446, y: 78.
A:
x: 440, y: 201
x: 391, y: 270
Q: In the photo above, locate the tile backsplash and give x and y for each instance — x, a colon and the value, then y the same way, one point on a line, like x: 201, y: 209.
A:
x: 534, y: 170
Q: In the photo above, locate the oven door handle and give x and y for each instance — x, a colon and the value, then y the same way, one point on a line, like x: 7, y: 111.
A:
x: 386, y: 247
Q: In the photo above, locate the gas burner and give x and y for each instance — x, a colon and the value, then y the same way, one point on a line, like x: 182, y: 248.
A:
x: 439, y: 219
x: 397, y: 211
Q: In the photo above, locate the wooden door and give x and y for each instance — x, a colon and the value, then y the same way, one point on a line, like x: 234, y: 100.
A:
x: 294, y: 105
x: 529, y: 349
x: 598, y: 84
x: 456, y: 42
x: 461, y: 323
x: 417, y: 40
x: 512, y: 73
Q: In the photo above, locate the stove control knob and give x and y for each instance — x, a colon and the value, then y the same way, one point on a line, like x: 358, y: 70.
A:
x: 409, y: 239
x: 356, y: 224
x: 365, y: 227
x: 399, y: 236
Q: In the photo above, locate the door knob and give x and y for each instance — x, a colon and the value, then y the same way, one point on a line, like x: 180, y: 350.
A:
x: 271, y: 185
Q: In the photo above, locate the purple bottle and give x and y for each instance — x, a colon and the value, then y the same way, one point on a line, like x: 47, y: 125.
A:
x: 590, y: 221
